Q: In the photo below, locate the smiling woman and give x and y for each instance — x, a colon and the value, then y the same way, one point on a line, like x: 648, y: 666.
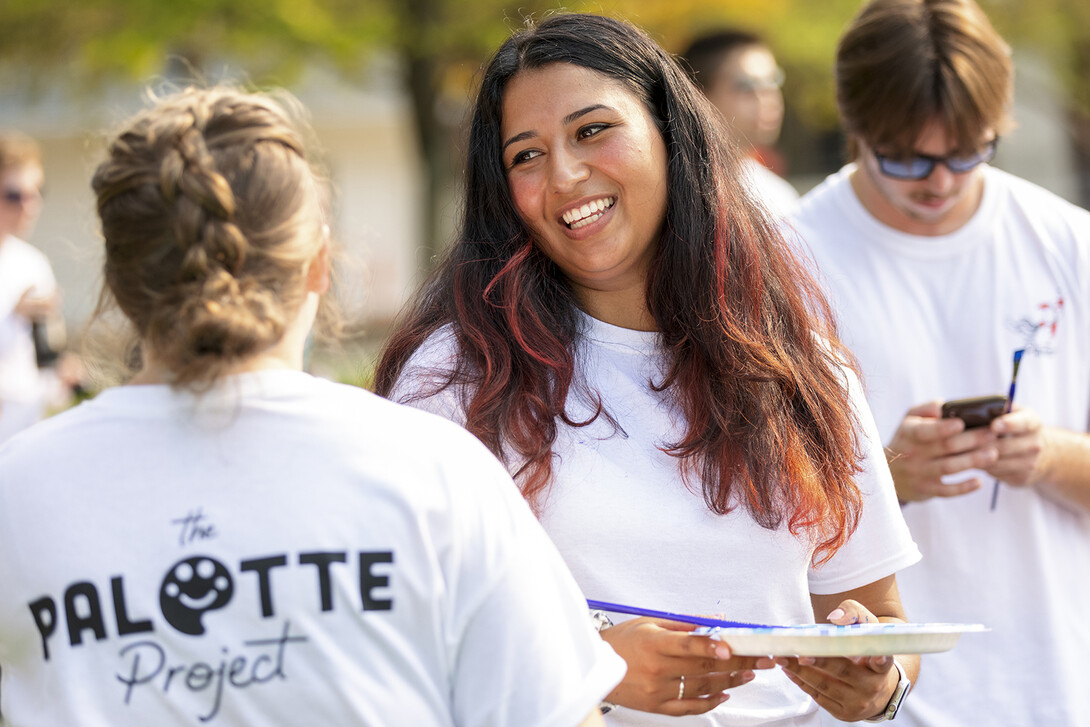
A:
x: 625, y: 327
x: 586, y: 167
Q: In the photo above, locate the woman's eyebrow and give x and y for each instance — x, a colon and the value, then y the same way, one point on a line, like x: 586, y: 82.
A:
x: 573, y: 116
x: 583, y: 112
x: 517, y: 138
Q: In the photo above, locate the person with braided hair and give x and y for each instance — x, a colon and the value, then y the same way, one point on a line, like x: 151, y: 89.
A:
x: 228, y: 540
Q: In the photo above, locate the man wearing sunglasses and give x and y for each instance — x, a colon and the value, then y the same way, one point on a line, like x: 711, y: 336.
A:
x: 28, y: 290
x: 941, y: 267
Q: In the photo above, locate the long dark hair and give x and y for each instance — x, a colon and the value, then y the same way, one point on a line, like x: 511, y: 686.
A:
x: 754, y: 361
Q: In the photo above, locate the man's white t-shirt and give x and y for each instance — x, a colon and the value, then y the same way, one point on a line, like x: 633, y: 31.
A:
x: 940, y: 318
x: 284, y: 550
x: 633, y: 531
x: 23, y: 267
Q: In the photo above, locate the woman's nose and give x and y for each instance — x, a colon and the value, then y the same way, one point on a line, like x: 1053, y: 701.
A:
x: 568, y: 170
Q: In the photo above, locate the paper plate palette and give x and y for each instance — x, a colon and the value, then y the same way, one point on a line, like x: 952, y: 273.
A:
x: 830, y: 640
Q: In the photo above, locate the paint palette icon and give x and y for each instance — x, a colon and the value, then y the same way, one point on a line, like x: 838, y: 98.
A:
x: 192, y: 588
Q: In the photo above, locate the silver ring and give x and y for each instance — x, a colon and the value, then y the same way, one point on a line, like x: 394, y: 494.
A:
x: 681, y: 689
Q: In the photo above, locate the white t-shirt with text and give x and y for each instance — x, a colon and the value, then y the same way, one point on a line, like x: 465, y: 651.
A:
x: 284, y: 550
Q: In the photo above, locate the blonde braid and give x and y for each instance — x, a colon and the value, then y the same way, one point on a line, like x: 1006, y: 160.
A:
x: 210, y: 215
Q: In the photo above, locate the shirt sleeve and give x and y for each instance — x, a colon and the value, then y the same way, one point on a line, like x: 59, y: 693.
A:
x: 423, y: 385
x: 527, y: 653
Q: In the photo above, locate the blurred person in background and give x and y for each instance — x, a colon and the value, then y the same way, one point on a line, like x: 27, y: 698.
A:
x: 29, y: 296
x: 738, y: 73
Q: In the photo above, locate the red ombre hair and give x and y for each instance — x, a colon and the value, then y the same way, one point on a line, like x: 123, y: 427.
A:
x: 754, y: 362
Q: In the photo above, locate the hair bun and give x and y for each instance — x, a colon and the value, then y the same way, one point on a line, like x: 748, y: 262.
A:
x: 216, y: 322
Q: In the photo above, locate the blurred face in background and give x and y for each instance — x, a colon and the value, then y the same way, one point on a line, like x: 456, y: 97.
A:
x: 20, y: 199
x: 746, y: 90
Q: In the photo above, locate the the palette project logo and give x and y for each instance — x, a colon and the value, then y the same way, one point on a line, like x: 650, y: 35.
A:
x: 193, y: 586
x: 192, y: 593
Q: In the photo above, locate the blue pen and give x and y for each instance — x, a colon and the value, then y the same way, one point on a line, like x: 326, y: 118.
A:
x: 682, y: 617
x: 1007, y: 409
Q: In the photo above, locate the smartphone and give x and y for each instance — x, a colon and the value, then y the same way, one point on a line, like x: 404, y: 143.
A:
x: 978, y: 411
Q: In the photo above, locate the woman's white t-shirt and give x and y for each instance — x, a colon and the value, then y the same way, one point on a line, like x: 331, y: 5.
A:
x: 634, y: 532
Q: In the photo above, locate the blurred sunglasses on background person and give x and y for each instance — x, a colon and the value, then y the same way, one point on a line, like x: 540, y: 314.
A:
x: 751, y: 84
x: 21, y: 196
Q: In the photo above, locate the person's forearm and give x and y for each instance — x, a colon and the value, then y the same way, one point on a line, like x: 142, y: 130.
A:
x: 1065, y: 474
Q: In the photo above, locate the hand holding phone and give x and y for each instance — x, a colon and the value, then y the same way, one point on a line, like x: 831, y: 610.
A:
x: 978, y: 411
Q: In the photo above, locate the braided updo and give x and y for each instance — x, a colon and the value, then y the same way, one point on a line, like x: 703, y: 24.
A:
x: 210, y: 213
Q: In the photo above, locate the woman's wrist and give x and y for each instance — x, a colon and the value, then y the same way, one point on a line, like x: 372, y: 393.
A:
x: 897, y: 697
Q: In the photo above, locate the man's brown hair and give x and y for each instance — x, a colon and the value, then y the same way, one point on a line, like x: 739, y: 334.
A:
x: 903, y: 63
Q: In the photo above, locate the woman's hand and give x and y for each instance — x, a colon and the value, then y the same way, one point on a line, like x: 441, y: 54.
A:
x: 849, y: 688
x: 659, y: 653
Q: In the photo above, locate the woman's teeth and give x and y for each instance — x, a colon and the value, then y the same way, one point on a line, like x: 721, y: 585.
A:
x: 587, y: 214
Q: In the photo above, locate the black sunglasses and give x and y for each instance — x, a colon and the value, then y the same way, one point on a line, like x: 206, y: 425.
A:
x: 20, y: 196
x: 920, y: 166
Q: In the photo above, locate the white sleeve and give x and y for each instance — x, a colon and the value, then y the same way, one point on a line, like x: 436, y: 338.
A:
x: 882, y: 544
x: 527, y: 654
x: 422, y: 383
x: 45, y: 283
x: 36, y: 272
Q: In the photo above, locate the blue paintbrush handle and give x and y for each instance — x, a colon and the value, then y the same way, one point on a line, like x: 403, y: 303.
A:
x: 1007, y: 410
x: 1014, y: 379
x: 682, y: 617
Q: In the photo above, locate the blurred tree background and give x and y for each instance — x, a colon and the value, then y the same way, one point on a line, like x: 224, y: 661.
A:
x: 440, y: 45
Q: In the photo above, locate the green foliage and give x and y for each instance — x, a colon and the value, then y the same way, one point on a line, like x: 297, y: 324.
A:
x: 442, y: 44
x: 94, y: 39
x: 1058, y: 29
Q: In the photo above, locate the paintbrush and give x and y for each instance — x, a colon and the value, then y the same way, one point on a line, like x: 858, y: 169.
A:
x: 1007, y: 409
